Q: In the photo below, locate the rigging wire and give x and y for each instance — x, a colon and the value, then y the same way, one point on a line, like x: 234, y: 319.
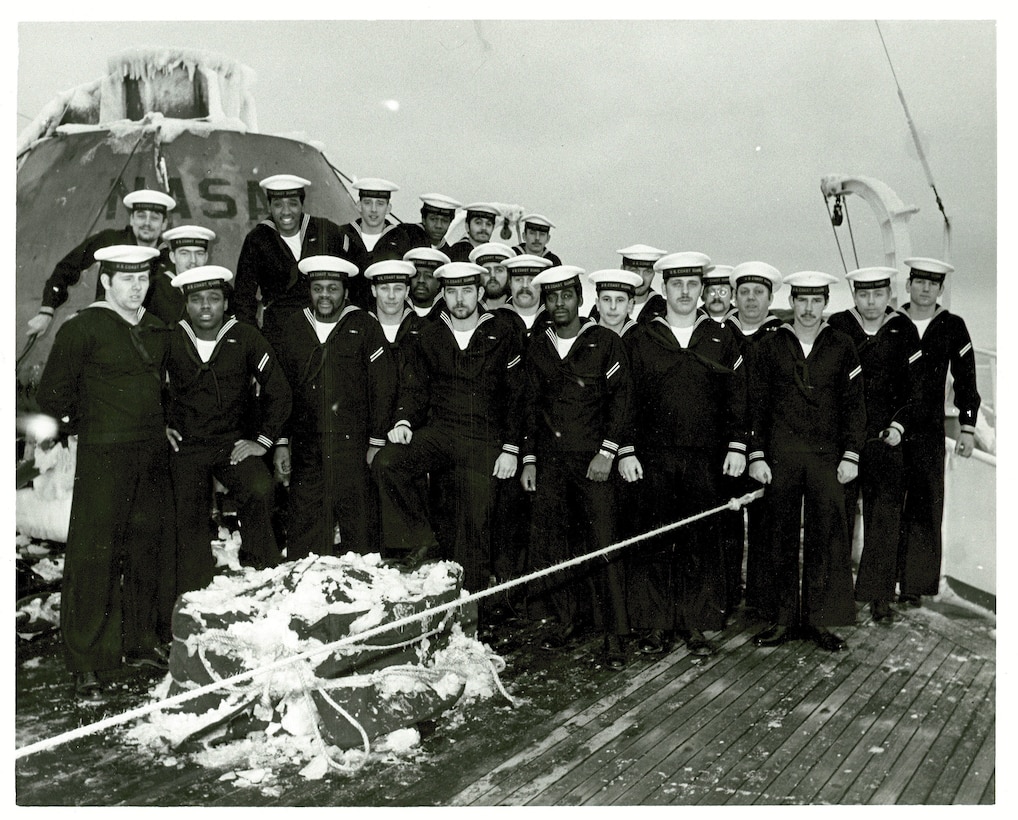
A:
x: 915, y: 139
x: 851, y: 235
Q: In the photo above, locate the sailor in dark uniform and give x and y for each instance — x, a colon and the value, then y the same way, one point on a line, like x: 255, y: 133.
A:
x: 888, y: 348
x: 402, y: 326
x: 945, y: 344
x: 458, y: 417
x: 267, y: 272
x: 578, y: 405
x: 640, y: 259
x: 690, y: 428
x: 717, y: 292
x: 753, y: 287
x: 424, y: 285
x: 103, y: 379
x: 492, y: 257
x: 188, y: 248
x: 437, y: 214
x: 480, y: 222
x: 536, y: 232
x: 524, y: 307
x: 616, y: 290
x: 218, y: 426
x: 373, y: 237
x: 149, y: 212
x: 343, y: 380
x: 809, y: 427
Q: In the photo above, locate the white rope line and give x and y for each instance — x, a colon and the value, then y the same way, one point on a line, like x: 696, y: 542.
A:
x: 192, y: 694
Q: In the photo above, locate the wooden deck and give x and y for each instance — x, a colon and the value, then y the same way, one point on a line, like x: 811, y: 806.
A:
x: 906, y: 716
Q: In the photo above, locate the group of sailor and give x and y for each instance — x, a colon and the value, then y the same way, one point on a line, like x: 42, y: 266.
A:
x: 426, y: 400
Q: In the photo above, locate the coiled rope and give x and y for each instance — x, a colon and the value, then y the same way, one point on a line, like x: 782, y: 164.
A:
x: 231, y: 682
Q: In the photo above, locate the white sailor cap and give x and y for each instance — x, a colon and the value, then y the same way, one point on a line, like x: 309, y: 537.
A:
x: 390, y: 270
x: 536, y: 222
x: 460, y: 273
x: 327, y: 267
x: 718, y: 275
x: 188, y: 236
x: 426, y: 257
x: 125, y: 258
x: 374, y: 188
x: 284, y: 185
x: 482, y: 209
x: 683, y: 263
x: 527, y: 264
x: 810, y: 283
x: 871, y: 278
x: 614, y: 279
x: 203, y: 277
x: 758, y: 272
x: 558, y: 277
x: 150, y: 201
x: 921, y: 267
x: 640, y: 256
x: 491, y: 252
x: 440, y: 204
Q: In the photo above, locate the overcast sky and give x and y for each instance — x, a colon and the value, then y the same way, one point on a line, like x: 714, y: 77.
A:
x: 687, y: 135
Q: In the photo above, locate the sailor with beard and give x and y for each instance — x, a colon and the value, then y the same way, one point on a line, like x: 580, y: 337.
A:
x: 480, y: 222
x: 424, y: 285
x: 343, y: 380
x: 717, y: 292
x: 188, y: 248
x: 808, y: 415
x: 647, y: 303
x: 149, y: 212
x: 458, y: 419
x: 218, y: 428
x: 270, y: 253
x: 753, y: 285
x: 690, y: 428
x: 578, y: 406
x: 492, y: 257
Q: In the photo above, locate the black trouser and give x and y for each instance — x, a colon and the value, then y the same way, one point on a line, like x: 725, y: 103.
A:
x: 250, y: 485
x: 680, y: 579
x: 330, y: 492
x: 565, y: 502
x: 465, y: 467
x: 805, y: 498
x: 921, y: 546
x: 118, y: 583
x: 880, y: 483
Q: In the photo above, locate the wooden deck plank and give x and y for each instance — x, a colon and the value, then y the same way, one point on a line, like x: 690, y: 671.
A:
x: 969, y: 739
x: 930, y: 771
x: 989, y: 796
x: 979, y: 773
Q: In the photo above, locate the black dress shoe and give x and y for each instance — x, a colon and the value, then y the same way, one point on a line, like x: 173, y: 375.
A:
x: 697, y: 644
x: 87, y: 686
x: 154, y: 658
x: 415, y: 558
x: 881, y: 611
x: 614, y: 654
x: 774, y: 635
x: 559, y: 638
x: 914, y: 601
x: 827, y: 640
x: 653, y: 643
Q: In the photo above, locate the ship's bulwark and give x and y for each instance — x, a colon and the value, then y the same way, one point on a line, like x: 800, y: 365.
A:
x: 72, y: 185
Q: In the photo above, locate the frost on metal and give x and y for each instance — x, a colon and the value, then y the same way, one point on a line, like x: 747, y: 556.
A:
x: 181, y: 89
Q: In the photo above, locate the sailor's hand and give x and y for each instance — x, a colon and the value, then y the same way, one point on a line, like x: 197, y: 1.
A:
x: 847, y: 471
x: 281, y: 463
x: 174, y: 437
x: 400, y: 434
x: 891, y: 436
x: 760, y: 471
x: 528, y: 477
x: 630, y: 468
x: 966, y: 444
x: 372, y: 452
x: 242, y: 448
x: 600, y: 468
x: 735, y: 464
x: 505, y: 466
x: 39, y: 324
